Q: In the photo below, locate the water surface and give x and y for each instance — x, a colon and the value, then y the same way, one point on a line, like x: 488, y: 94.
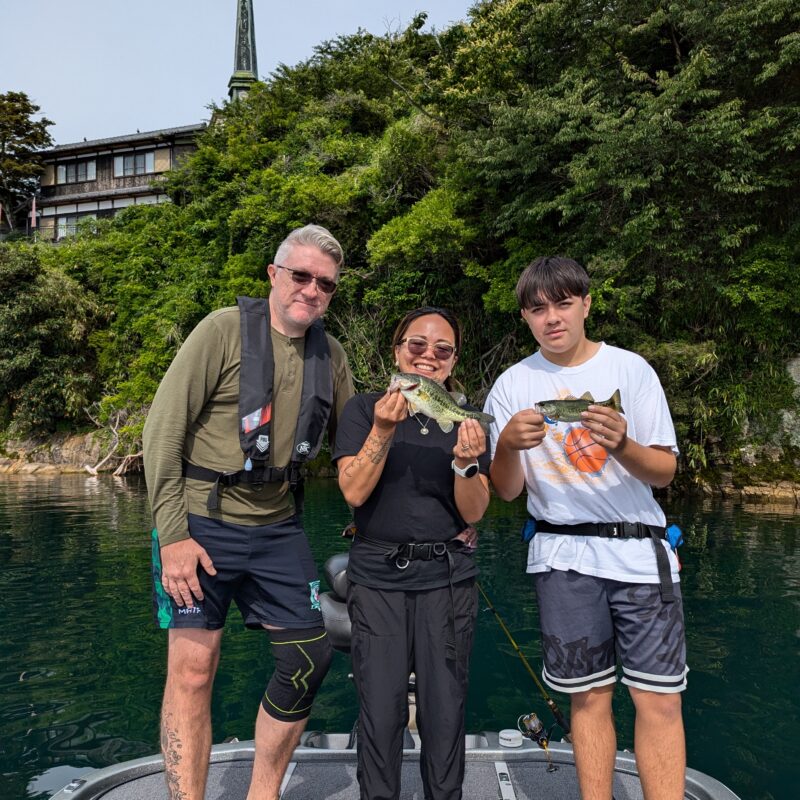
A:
x: 82, y: 667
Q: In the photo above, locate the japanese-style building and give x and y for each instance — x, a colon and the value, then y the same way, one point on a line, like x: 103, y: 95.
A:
x: 100, y: 177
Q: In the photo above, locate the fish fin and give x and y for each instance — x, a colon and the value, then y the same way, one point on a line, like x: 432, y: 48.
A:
x: 587, y: 396
x: 485, y: 420
x: 445, y: 424
x: 458, y: 398
x: 413, y: 408
x: 616, y: 402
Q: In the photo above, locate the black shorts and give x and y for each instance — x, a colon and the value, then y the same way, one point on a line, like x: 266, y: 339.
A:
x: 267, y: 570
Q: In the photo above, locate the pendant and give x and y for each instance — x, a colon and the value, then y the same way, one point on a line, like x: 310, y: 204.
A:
x: 423, y: 431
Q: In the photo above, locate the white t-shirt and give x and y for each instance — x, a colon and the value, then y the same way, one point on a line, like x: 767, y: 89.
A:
x: 570, y: 479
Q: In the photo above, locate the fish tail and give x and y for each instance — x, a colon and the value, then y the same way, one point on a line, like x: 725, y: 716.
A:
x: 616, y: 402
x: 484, y: 420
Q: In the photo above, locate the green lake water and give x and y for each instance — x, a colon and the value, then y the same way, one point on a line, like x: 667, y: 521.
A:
x: 81, y: 665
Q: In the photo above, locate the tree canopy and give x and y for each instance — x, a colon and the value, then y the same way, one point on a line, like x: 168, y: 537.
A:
x: 21, y: 137
x: 656, y: 143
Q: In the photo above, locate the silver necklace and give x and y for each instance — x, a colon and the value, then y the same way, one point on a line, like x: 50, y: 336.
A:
x: 423, y: 429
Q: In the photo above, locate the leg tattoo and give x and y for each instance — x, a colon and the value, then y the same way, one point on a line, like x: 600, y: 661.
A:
x: 171, y: 747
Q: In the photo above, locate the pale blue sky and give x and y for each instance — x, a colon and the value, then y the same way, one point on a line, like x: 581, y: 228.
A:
x: 101, y: 68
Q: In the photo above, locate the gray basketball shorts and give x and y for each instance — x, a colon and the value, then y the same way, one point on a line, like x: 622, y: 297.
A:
x: 590, y: 624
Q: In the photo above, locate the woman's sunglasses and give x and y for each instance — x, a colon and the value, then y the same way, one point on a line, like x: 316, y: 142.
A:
x: 303, y: 278
x: 418, y: 347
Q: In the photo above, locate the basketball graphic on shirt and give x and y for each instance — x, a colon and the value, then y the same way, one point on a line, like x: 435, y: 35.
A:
x: 583, y: 452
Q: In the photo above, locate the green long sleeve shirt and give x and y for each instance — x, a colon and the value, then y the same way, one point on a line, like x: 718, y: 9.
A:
x: 195, y: 416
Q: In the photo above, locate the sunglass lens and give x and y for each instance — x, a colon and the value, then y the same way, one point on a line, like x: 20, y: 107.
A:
x: 303, y: 278
x: 418, y: 347
x: 329, y: 287
x: 442, y: 351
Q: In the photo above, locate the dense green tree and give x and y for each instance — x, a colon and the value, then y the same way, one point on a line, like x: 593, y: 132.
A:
x: 45, y: 364
x: 21, y: 137
x: 656, y: 142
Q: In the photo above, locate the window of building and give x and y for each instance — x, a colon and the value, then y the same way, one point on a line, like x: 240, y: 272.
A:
x: 134, y: 164
x: 68, y: 224
x: 77, y: 171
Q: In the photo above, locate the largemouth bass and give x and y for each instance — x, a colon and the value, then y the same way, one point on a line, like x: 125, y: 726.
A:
x: 570, y: 410
x: 427, y: 397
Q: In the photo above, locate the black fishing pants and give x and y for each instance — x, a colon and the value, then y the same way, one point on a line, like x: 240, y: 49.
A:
x: 395, y: 633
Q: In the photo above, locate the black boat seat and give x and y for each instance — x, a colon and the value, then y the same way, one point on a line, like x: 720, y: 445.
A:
x: 333, y: 603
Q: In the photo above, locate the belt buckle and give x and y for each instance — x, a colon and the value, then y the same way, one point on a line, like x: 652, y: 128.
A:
x: 439, y: 548
x: 402, y: 561
x: 615, y: 534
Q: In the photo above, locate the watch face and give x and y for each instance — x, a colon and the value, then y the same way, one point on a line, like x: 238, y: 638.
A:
x: 471, y: 471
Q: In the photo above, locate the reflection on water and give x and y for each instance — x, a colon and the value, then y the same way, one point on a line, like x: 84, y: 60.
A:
x: 81, y: 666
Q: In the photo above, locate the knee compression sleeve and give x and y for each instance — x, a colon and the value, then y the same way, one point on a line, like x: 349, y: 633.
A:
x: 302, y: 658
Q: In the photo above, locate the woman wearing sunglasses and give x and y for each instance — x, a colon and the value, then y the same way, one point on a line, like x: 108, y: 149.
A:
x: 412, y: 598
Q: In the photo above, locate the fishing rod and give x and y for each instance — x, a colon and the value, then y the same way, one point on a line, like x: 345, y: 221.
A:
x: 560, y: 719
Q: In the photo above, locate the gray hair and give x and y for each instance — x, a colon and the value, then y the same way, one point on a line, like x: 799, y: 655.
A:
x: 312, y: 236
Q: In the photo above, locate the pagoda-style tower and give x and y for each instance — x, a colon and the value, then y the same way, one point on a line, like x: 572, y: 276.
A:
x: 245, y: 68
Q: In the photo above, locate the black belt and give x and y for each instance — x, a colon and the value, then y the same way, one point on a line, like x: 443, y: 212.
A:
x: 405, y: 552
x: 255, y: 477
x: 623, y: 530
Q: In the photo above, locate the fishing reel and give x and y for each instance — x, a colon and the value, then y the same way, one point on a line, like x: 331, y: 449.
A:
x: 531, y: 727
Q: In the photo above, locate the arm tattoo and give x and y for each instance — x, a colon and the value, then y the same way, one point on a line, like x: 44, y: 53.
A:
x: 374, y: 450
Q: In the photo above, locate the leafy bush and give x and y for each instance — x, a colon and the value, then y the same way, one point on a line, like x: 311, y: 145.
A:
x: 656, y: 143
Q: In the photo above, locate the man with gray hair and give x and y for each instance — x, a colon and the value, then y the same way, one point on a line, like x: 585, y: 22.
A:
x: 244, y: 404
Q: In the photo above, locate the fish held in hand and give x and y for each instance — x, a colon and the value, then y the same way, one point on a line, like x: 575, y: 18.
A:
x: 571, y: 410
x: 427, y: 397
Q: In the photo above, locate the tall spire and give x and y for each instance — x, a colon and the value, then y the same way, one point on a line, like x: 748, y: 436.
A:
x: 245, y: 68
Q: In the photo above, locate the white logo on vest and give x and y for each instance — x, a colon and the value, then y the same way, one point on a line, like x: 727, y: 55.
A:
x: 304, y: 448
x: 262, y: 443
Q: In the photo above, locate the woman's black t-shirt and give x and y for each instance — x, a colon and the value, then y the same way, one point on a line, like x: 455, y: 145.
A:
x: 413, y: 500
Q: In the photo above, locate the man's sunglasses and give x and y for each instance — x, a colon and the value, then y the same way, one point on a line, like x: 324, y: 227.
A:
x: 303, y: 278
x: 418, y: 347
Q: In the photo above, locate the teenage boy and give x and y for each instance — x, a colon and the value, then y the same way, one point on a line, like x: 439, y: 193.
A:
x: 606, y: 580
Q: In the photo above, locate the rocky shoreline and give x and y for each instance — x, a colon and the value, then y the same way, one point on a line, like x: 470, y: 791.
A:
x: 64, y: 454
x: 59, y: 454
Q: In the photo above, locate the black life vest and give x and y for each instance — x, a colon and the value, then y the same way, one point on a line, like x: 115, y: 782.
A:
x: 256, y: 374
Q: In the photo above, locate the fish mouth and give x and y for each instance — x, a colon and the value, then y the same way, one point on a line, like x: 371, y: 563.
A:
x: 402, y: 384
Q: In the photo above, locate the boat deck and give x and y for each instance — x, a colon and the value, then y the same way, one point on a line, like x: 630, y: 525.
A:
x: 323, y: 767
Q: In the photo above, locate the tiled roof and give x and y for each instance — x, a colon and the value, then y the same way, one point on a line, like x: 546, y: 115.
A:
x: 131, y: 138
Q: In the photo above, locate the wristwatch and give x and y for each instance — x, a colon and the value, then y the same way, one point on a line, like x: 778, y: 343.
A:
x: 470, y: 471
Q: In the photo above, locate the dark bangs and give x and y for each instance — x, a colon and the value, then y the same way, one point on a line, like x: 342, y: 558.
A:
x: 551, y: 278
